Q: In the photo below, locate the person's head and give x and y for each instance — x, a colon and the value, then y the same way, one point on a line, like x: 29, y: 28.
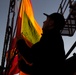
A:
x: 54, y: 20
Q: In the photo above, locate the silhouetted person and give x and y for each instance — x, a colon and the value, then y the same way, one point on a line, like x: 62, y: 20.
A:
x: 48, y: 55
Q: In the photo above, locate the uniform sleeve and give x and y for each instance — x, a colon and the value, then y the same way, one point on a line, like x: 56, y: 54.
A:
x: 24, y: 50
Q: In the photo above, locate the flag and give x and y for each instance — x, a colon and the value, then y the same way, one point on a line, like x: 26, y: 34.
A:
x: 12, y: 59
x: 14, y: 66
x: 27, y: 27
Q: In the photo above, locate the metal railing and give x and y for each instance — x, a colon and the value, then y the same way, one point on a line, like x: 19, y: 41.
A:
x: 70, y: 25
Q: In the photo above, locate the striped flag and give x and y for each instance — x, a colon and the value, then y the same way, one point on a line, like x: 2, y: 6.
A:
x: 27, y: 26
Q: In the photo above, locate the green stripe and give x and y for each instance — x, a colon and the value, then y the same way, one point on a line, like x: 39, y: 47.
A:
x: 29, y: 31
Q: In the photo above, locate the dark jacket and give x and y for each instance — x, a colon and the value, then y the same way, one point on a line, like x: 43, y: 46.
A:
x: 47, y: 55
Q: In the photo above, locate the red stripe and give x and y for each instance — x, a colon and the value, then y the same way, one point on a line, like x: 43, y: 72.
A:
x: 19, y: 21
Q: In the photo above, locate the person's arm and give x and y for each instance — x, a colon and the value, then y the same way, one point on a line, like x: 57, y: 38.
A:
x: 24, y: 50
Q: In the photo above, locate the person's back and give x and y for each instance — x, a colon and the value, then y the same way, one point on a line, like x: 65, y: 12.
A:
x: 48, y: 55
